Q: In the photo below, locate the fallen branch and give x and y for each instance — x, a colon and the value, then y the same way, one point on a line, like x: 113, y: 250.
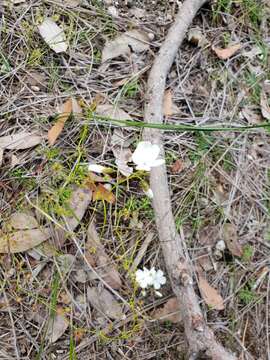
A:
x: 199, y: 336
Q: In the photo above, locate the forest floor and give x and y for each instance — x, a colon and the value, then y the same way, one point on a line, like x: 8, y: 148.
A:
x: 72, y: 239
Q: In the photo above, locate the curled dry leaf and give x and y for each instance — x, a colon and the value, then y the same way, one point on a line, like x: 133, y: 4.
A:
x: 169, y: 108
x: 97, y: 257
x: 70, y: 106
x: 226, y: 53
x: 210, y: 295
x: 169, y: 311
x: 101, y: 193
x: 137, y: 40
x: 57, y: 325
x: 230, y: 237
x: 23, y: 240
x: 20, y: 141
x: 103, y: 301
x: 53, y: 35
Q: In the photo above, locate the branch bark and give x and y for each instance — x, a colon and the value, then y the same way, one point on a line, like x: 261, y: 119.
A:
x: 200, y: 337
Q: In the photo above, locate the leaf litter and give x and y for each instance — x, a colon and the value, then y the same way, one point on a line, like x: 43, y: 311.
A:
x: 136, y: 40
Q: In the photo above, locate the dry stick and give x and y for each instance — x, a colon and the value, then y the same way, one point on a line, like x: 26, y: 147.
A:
x: 200, y: 337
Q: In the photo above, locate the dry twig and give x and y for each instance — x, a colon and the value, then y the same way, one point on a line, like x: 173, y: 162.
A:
x: 200, y: 337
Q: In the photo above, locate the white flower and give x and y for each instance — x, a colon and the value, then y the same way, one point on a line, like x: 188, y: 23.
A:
x: 220, y: 245
x: 143, y: 278
x: 150, y: 277
x: 96, y: 168
x: 158, y: 278
x: 149, y: 193
x: 146, y: 156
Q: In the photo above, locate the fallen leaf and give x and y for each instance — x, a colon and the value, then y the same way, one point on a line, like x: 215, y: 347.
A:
x: 98, y: 258
x: 78, y: 204
x: 177, y: 166
x: 122, y: 157
x: 70, y: 106
x: 169, y: 311
x: 57, y: 325
x: 207, y: 235
x: 23, y: 240
x: 250, y: 114
x: 101, y: 193
x: 226, y: 53
x: 22, y: 221
x: 53, y: 35
x: 136, y: 40
x: 229, y: 233
x: 103, y: 301
x: 210, y: 295
x: 20, y: 141
x: 169, y: 108
x: 112, y: 112
x: 265, y: 108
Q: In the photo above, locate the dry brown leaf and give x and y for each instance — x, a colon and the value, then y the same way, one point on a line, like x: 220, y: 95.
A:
x: 57, y: 325
x: 101, y: 193
x: 231, y: 239
x: 226, y: 53
x: 169, y: 108
x: 70, y: 106
x: 169, y: 311
x: 103, y: 301
x: 177, y: 167
x: 98, y: 258
x: 22, y: 221
x: 265, y: 108
x: 78, y: 204
x: 23, y: 240
x: 207, y: 235
x: 137, y: 40
x: 20, y: 141
x: 210, y: 295
x: 113, y: 112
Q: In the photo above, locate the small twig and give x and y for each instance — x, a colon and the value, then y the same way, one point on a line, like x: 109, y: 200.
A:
x: 200, y: 337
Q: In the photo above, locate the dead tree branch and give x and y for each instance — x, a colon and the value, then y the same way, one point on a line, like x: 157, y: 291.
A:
x: 200, y: 337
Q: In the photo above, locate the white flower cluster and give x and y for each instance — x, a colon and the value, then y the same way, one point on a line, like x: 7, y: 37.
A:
x: 144, y: 157
x: 147, y: 278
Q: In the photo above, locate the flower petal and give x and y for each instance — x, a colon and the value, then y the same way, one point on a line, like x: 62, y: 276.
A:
x: 158, y: 162
x: 96, y: 168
